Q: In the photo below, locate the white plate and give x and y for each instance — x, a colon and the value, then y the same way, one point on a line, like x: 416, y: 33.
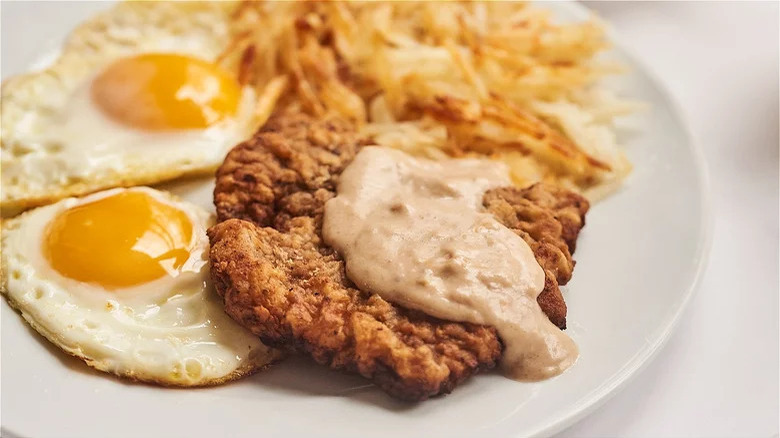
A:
x: 638, y: 261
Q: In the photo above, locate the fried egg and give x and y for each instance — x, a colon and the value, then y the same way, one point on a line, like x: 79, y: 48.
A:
x: 137, y: 96
x: 119, y: 278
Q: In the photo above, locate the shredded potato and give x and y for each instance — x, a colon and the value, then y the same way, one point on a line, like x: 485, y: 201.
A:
x: 440, y: 79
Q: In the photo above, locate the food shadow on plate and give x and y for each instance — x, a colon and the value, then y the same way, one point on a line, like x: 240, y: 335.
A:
x: 299, y: 375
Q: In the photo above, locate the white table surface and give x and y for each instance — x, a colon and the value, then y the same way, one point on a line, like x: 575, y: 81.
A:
x: 718, y: 375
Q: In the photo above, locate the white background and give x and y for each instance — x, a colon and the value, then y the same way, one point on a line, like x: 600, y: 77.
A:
x: 718, y: 375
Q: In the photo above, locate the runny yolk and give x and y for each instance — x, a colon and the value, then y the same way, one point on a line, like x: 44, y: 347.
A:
x: 159, y: 91
x: 119, y: 241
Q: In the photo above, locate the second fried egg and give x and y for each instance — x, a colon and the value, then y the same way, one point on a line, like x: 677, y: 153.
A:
x: 136, y: 97
x: 120, y: 279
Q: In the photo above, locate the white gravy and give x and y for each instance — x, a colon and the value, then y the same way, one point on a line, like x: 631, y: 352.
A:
x: 415, y: 232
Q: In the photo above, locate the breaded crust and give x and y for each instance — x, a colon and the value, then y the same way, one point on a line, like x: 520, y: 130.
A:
x: 281, y: 281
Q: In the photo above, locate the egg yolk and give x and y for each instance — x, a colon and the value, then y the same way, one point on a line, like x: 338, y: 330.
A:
x: 159, y: 91
x: 119, y: 241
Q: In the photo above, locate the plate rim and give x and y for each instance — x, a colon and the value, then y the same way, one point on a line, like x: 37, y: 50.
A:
x: 702, y: 253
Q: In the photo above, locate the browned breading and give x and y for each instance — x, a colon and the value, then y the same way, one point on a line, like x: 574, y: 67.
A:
x: 281, y: 281
x: 549, y: 219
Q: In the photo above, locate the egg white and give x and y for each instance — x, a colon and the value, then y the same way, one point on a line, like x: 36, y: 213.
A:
x: 56, y: 143
x: 171, y: 331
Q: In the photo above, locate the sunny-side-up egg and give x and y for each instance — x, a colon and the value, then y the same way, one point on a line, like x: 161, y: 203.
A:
x: 137, y: 96
x: 119, y: 278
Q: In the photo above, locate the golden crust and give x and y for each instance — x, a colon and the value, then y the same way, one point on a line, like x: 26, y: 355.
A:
x: 503, y: 79
x: 280, y: 280
x: 142, y: 177
x: 549, y: 219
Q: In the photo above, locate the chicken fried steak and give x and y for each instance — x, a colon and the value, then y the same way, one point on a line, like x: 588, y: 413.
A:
x: 279, y: 279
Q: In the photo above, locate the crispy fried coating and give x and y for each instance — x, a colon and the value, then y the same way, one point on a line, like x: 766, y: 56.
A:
x: 549, y: 219
x: 280, y: 280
